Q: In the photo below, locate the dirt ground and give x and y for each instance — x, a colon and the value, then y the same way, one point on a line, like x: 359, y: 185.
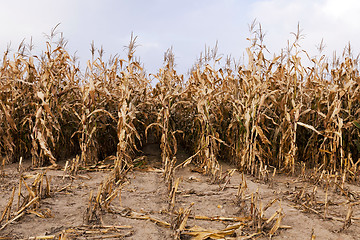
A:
x: 145, y: 195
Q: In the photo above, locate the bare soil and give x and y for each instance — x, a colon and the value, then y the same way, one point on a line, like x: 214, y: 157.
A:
x: 146, y: 194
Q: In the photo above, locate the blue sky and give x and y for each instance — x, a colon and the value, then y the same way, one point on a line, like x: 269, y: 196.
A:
x: 186, y: 25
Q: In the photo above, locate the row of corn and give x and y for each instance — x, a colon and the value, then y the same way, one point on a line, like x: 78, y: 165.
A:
x: 266, y: 112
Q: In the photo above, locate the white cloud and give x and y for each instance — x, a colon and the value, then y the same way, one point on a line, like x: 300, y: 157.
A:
x: 187, y: 25
x: 335, y: 21
x: 342, y: 10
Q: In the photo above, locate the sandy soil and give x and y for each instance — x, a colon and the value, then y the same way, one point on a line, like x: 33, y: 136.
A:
x: 146, y: 195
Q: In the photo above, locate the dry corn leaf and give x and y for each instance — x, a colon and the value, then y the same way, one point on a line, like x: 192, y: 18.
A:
x: 309, y: 127
x: 140, y: 216
x: 218, y: 218
x: 200, y: 233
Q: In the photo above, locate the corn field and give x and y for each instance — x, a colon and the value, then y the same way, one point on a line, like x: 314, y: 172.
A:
x: 275, y: 113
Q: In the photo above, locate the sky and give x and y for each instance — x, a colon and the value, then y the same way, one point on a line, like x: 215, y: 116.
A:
x: 185, y: 25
